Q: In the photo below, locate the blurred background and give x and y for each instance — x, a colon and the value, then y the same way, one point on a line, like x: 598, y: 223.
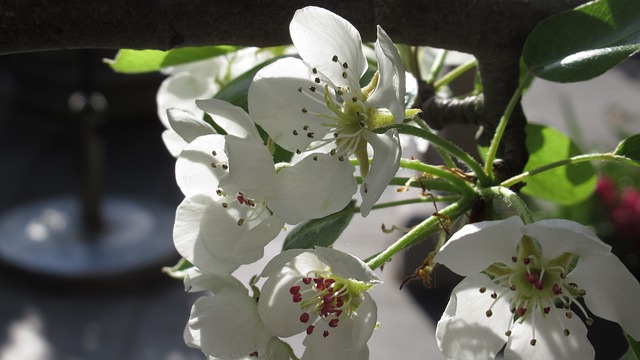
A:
x: 88, y: 197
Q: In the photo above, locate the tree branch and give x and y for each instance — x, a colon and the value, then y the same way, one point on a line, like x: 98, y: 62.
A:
x: 474, y: 26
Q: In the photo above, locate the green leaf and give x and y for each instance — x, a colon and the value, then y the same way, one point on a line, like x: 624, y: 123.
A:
x: 140, y: 61
x: 633, y: 353
x: 319, y: 232
x: 629, y: 147
x: 583, y: 43
x: 564, y: 185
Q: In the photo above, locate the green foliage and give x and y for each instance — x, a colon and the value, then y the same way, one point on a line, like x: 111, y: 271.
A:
x: 585, y: 42
x: 319, y: 232
x: 564, y: 185
x: 634, y: 350
x: 629, y: 147
x: 140, y: 61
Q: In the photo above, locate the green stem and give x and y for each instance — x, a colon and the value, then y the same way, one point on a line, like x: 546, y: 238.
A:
x: 446, y: 158
x: 429, y: 184
x: 421, y: 231
x: 572, y: 160
x: 459, y: 183
x: 502, y: 125
x: 511, y: 199
x: 436, y: 67
x: 453, y: 74
x: 448, y: 146
x: 428, y: 199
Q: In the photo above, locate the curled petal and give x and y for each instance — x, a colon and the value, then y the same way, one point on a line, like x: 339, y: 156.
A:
x: 316, y: 186
x: 227, y: 325
x: 277, y: 96
x: 465, y: 331
x: 233, y: 119
x: 386, y: 161
x: 390, y: 92
x: 188, y: 125
x: 173, y: 142
x: 612, y: 291
x: 476, y: 246
x: 319, y: 35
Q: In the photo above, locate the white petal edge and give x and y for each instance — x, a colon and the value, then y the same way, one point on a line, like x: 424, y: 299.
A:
x: 316, y: 186
x: 227, y: 325
x: 346, y: 266
x: 180, y: 90
x: 194, y: 171
x: 391, y: 88
x: 612, y: 291
x: 387, y: 152
x: 233, y: 119
x: 319, y: 34
x: 251, y: 168
x: 188, y: 125
x: 558, y: 235
x: 464, y: 331
x: 476, y: 246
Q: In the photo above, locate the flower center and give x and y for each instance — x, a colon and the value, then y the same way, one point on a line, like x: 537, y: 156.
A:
x: 350, y: 116
x: 327, y: 299
x: 536, y: 288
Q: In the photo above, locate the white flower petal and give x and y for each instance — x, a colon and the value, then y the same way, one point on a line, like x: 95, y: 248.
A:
x: 227, y: 325
x: 612, y: 291
x: 316, y: 186
x: 558, y: 235
x: 180, y: 90
x: 194, y: 171
x: 386, y: 161
x: 319, y: 34
x: 187, y: 240
x: 208, y: 234
x: 277, y: 96
x: 390, y: 92
x: 197, y: 280
x: 276, y: 307
x: 188, y: 125
x: 279, y: 264
x: 464, y: 331
x: 350, y: 336
x: 233, y: 119
x: 346, y: 266
x: 551, y: 342
x: 173, y: 142
x: 251, y: 168
x: 476, y: 246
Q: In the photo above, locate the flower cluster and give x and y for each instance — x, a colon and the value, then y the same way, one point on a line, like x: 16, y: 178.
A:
x: 237, y: 199
x: 529, y: 288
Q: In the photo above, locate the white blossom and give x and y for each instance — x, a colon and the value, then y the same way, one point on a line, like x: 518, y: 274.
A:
x: 317, y: 103
x: 523, y: 287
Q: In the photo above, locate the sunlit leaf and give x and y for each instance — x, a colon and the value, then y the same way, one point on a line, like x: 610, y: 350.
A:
x: 140, y: 61
x: 563, y: 185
